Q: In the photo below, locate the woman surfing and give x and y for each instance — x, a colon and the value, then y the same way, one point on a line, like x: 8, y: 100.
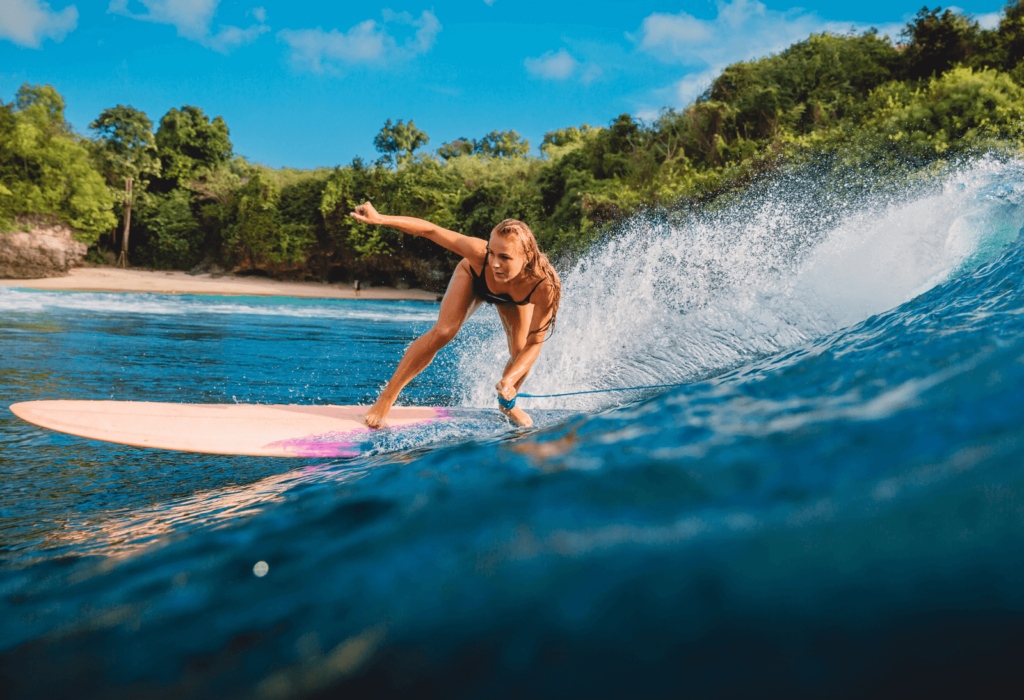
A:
x: 508, y: 271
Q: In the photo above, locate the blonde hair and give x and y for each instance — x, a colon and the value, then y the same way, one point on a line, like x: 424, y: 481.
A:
x: 537, y: 264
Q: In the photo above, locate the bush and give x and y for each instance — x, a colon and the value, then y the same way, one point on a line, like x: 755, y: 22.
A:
x: 45, y: 170
x: 170, y: 235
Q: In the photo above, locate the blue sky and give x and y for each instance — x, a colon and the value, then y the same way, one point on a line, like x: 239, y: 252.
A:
x: 307, y: 84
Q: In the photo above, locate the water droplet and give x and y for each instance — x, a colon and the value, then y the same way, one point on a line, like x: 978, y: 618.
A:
x: 261, y: 569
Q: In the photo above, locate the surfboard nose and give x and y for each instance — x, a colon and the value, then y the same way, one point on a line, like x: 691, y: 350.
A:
x: 256, y: 430
x: 24, y: 410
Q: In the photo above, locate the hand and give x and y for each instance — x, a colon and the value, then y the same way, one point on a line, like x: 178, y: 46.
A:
x: 367, y: 214
x: 506, y: 390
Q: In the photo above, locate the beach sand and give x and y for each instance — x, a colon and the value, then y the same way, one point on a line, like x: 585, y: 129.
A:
x: 112, y: 279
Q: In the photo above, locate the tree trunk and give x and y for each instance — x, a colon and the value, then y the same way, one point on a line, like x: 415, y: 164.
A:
x: 123, y: 260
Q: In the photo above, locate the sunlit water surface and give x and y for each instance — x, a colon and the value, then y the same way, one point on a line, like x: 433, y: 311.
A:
x: 830, y: 503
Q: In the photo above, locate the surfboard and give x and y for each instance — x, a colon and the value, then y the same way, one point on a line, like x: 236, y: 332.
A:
x: 256, y: 430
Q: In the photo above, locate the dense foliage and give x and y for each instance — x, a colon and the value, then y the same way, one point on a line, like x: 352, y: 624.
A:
x: 45, y: 169
x: 944, y: 87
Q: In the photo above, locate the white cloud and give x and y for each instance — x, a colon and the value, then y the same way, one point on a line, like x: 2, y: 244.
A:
x: 552, y: 66
x: 561, y: 65
x: 647, y: 114
x: 427, y: 29
x: 363, y: 43
x: 489, y: 2
x: 193, y: 19
x: 693, y: 85
x: 989, y: 20
x: 230, y: 38
x: 590, y: 74
x: 28, y: 22
x: 366, y: 42
x: 742, y: 30
x: 667, y: 34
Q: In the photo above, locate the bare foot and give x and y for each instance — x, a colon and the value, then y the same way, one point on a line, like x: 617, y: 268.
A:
x: 519, y: 417
x: 376, y: 415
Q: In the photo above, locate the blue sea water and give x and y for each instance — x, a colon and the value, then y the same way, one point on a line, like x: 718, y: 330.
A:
x: 831, y: 502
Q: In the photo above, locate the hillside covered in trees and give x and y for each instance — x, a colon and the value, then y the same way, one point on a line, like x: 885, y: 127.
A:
x: 945, y: 87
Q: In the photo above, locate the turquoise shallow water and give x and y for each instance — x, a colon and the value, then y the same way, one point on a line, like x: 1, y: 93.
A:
x: 830, y: 504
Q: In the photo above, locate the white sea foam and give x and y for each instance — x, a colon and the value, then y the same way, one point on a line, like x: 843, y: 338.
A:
x: 16, y: 300
x: 675, y: 301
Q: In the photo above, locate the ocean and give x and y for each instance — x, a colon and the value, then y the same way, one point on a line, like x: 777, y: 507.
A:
x: 830, y: 501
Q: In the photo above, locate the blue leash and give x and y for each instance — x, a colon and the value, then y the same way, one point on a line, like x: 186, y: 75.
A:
x: 509, y: 405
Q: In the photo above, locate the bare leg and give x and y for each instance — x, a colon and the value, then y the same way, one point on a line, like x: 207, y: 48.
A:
x: 516, y: 320
x: 458, y: 305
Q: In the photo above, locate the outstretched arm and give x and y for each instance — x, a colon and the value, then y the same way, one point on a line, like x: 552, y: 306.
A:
x: 468, y: 247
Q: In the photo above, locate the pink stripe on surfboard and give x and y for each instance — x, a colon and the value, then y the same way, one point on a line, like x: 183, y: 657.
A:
x: 334, y: 444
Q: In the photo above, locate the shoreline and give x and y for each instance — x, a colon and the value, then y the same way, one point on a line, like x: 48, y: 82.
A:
x: 113, y: 279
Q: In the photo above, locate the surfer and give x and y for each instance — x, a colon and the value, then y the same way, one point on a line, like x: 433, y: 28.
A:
x: 508, y: 271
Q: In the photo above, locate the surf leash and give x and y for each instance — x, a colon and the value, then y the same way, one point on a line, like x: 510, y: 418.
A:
x: 509, y: 405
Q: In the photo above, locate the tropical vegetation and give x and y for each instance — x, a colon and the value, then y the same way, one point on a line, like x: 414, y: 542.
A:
x: 945, y: 87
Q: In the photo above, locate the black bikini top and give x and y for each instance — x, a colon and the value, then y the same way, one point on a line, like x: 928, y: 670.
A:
x: 481, y: 289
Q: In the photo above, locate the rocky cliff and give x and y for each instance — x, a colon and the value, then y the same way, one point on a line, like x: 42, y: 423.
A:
x: 48, y: 250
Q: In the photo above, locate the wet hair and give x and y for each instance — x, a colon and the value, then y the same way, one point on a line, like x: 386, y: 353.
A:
x: 537, y: 264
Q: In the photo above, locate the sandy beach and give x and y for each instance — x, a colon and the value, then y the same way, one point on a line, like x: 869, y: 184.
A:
x: 111, y: 279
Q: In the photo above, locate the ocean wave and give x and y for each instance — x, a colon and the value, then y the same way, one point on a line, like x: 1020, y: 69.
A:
x: 14, y: 300
x: 674, y: 300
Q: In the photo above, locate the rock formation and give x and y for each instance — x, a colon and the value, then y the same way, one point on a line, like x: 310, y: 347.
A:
x: 48, y: 250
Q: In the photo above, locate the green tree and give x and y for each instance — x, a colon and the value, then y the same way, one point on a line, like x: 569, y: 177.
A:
x: 812, y: 84
x: 938, y: 40
x: 127, y: 152
x: 497, y: 144
x: 46, y: 169
x: 503, y: 144
x: 961, y: 110
x: 397, y: 142
x: 43, y: 98
x: 171, y: 238
x: 1010, y: 39
x: 191, y: 146
x: 260, y: 237
x: 454, y: 149
x: 346, y: 189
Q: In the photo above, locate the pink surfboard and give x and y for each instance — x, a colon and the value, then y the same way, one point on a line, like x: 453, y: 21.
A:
x: 228, y: 429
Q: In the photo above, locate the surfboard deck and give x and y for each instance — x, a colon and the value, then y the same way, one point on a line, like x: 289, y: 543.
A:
x: 256, y: 430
